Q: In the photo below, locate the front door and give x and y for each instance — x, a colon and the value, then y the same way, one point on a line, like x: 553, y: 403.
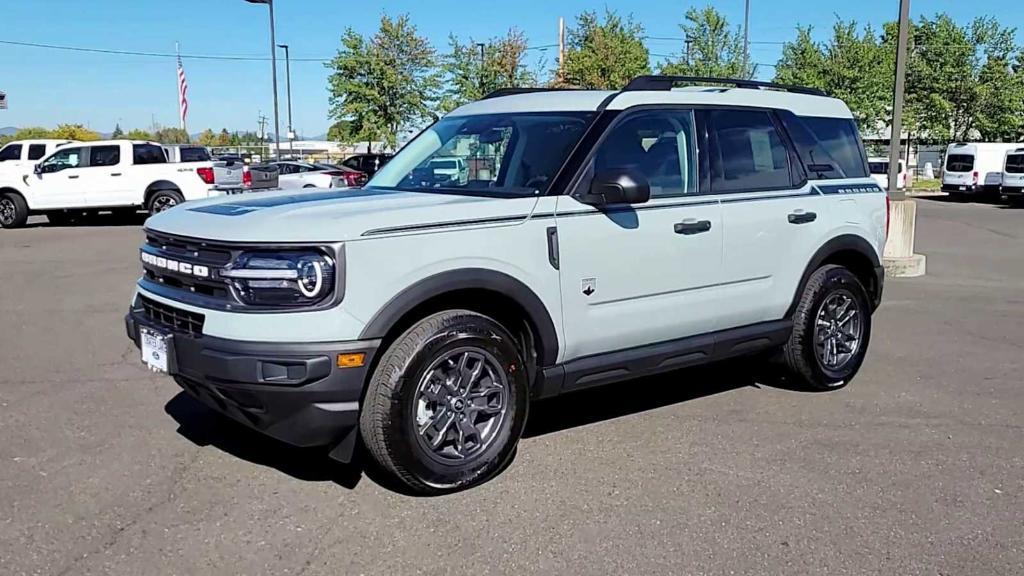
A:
x: 633, y: 275
x: 61, y: 184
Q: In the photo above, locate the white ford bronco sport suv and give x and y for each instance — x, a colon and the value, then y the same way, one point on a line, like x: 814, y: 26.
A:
x: 599, y: 236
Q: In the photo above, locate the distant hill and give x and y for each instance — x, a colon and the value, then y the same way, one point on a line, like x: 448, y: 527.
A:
x: 8, y: 131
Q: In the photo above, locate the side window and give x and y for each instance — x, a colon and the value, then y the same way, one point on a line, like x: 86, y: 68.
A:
x: 660, y: 145
x: 62, y: 160
x: 352, y: 163
x: 148, y: 154
x: 194, y: 154
x: 104, y: 155
x: 36, y: 151
x: 822, y: 140
x: 747, y: 152
x: 10, y: 152
x: 285, y: 169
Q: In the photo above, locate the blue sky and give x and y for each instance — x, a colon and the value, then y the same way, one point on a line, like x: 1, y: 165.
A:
x: 46, y: 87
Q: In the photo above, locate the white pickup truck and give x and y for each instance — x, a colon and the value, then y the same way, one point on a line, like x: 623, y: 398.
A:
x: 20, y: 153
x: 102, y: 175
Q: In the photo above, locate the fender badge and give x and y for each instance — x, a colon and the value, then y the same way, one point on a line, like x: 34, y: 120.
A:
x: 588, y: 286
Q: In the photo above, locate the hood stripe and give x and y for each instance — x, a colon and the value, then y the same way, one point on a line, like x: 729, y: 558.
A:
x: 243, y: 207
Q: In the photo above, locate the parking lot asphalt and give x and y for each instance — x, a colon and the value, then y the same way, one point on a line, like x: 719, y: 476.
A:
x: 917, y: 467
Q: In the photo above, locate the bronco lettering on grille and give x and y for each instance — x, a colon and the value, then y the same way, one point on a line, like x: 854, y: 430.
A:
x: 196, y: 270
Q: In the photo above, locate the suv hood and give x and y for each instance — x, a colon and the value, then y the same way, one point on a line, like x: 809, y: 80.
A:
x: 330, y: 215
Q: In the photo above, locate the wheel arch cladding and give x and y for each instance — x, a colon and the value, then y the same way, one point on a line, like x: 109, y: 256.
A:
x: 851, y: 252
x: 160, y: 185
x: 497, y: 288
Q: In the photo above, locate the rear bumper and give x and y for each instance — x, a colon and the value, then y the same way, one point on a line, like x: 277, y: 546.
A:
x: 962, y: 189
x: 293, y: 392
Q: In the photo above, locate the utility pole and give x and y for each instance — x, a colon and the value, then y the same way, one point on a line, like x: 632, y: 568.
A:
x: 288, y: 77
x: 899, y: 257
x: 897, y: 103
x: 689, y: 50
x: 746, y: 39
x: 561, y: 49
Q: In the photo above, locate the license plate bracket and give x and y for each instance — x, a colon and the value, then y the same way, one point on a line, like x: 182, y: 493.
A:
x: 156, y: 349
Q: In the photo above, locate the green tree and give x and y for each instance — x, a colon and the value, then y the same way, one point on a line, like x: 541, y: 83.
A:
x: 117, y: 133
x: 604, y: 55
x: 469, y: 77
x: 74, y: 132
x: 383, y: 83
x: 715, y: 50
x: 851, y: 65
x: 342, y: 131
x: 32, y: 133
x: 137, y: 134
x: 207, y: 138
x: 223, y: 138
x: 172, y: 136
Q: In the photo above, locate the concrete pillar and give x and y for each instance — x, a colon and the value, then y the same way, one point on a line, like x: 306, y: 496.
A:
x: 899, y: 258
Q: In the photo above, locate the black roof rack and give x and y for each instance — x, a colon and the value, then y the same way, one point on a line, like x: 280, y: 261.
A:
x: 668, y: 82
x: 513, y: 91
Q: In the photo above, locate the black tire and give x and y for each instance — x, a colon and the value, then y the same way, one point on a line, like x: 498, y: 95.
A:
x: 803, y: 361
x: 164, y: 200
x: 394, y: 409
x: 309, y: 186
x: 13, y: 210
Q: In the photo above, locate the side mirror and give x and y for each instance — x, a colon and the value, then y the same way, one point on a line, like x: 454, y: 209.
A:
x: 38, y: 169
x: 618, y: 186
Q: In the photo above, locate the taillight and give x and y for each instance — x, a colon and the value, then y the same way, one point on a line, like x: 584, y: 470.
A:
x: 355, y: 179
x: 206, y: 174
x: 246, y: 178
x: 975, y: 175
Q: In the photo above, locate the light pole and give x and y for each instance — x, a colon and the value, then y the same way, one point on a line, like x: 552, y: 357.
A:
x: 288, y: 83
x: 897, y: 103
x: 273, y: 71
x: 746, y: 38
x: 480, y: 76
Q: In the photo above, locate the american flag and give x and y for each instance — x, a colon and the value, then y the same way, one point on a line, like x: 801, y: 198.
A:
x: 182, y: 93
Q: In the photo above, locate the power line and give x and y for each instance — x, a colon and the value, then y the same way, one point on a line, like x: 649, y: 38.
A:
x: 184, y: 56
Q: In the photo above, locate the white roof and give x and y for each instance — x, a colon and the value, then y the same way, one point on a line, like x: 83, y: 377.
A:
x: 589, y: 100
x: 42, y: 141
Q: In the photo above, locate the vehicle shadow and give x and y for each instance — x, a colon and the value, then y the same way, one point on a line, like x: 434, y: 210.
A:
x: 102, y: 220
x: 204, y: 427
x: 975, y: 199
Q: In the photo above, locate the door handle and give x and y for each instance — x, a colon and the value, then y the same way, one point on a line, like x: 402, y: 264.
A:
x: 690, y: 226
x: 72, y: 176
x: 115, y: 173
x: 801, y: 217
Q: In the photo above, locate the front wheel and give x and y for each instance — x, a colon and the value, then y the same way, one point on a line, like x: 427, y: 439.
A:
x: 163, y: 200
x: 831, y: 330
x: 447, y: 403
x: 13, y: 211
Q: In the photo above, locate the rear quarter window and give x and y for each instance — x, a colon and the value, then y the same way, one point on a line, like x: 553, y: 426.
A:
x: 36, y: 151
x: 823, y: 140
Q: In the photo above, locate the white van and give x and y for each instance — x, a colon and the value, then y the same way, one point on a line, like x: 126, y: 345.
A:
x: 974, y: 167
x: 879, y: 168
x: 1013, y: 174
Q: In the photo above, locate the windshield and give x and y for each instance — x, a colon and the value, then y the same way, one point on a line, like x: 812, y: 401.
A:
x: 506, y: 155
x: 959, y: 163
x: 1015, y: 164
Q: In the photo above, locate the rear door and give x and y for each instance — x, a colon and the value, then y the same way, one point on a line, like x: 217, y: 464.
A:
x: 774, y: 219
x: 105, y: 182
x: 633, y: 275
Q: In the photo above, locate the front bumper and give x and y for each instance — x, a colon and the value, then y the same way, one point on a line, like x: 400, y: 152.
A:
x: 293, y: 392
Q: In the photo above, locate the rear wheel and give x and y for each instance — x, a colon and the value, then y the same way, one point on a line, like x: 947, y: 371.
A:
x: 831, y: 330
x: 13, y: 211
x: 163, y: 200
x: 447, y: 403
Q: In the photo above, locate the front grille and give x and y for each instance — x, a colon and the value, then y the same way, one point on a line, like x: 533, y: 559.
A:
x: 193, y: 252
x: 175, y: 319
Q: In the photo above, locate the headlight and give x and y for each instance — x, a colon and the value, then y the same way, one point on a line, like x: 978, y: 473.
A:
x: 281, y: 279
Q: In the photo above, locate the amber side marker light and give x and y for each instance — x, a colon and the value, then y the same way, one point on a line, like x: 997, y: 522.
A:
x: 354, y: 360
